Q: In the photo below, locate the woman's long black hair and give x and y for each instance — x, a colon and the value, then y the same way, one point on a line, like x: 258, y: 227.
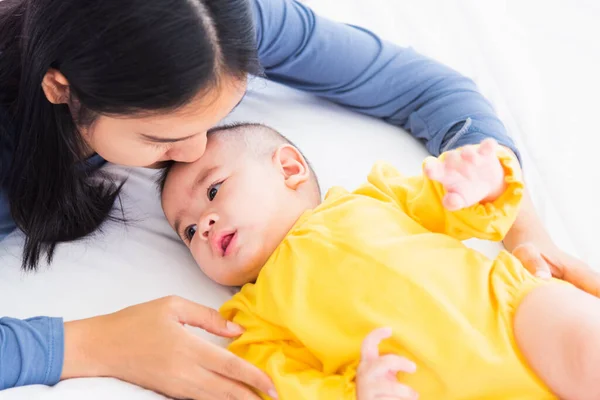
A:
x: 120, y: 57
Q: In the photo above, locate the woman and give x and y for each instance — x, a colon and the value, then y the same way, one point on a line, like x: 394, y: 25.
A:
x: 137, y: 82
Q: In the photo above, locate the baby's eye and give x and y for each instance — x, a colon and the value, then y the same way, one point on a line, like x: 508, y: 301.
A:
x: 190, y: 231
x: 213, y: 190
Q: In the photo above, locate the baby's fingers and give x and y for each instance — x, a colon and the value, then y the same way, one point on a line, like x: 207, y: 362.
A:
x: 453, y: 160
x: 488, y: 147
x: 434, y: 169
x: 395, y: 391
x: 453, y: 201
x: 391, y: 364
x: 370, y: 346
x: 469, y: 154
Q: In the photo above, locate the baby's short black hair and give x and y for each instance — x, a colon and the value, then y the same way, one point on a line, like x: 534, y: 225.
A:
x: 261, y: 139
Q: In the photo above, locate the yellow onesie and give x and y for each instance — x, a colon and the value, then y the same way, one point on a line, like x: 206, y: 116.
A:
x: 390, y: 255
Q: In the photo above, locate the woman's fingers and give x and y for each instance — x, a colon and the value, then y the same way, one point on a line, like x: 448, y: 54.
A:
x: 209, y: 386
x: 532, y: 260
x: 197, y: 315
x: 146, y: 345
x: 580, y: 274
x: 216, y: 359
x: 228, y: 365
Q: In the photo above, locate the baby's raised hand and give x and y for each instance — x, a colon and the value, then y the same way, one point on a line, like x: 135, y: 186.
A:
x: 376, y: 375
x: 469, y: 175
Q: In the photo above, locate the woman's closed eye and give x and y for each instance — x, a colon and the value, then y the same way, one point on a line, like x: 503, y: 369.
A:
x: 163, y: 146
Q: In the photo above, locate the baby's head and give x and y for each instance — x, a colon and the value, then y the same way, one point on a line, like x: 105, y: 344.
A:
x: 235, y: 205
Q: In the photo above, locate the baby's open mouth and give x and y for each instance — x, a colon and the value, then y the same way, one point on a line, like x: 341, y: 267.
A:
x: 225, y: 241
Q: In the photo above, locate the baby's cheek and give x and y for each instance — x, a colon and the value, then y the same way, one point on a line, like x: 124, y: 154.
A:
x: 206, y: 265
x: 196, y: 254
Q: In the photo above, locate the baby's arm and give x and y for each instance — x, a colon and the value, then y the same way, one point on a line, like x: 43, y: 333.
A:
x: 471, y: 192
x: 295, y: 371
x: 297, y: 374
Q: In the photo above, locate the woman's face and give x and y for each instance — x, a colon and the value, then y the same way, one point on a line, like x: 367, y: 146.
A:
x: 142, y: 141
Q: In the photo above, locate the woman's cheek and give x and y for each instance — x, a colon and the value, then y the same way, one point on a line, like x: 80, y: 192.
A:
x: 129, y: 153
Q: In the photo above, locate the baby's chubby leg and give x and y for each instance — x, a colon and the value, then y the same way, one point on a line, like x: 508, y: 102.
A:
x: 557, y: 328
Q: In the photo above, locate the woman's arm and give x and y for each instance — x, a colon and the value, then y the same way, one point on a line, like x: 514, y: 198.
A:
x: 529, y: 231
x: 353, y: 67
x: 146, y: 344
x: 31, y: 351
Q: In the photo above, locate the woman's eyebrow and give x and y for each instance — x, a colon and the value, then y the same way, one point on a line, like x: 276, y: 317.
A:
x: 166, y: 140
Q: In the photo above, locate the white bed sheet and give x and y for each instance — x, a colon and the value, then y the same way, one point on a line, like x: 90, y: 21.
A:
x: 144, y: 260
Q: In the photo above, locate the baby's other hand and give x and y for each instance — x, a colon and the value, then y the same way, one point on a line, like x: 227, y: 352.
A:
x: 376, y: 375
x: 469, y: 175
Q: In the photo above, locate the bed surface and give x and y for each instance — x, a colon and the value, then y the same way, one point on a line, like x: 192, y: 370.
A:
x: 539, y: 78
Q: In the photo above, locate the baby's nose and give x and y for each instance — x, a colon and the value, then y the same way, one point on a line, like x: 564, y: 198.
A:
x: 207, y: 222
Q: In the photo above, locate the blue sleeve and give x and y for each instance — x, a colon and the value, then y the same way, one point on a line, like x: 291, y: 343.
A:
x: 353, y: 67
x: 31, y: 351
x: 7, y: 225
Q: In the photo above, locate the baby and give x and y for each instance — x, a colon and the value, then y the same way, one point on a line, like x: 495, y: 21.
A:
x: 385, y: 263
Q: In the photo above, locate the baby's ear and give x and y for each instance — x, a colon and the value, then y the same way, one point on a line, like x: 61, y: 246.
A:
x: 292, y: 165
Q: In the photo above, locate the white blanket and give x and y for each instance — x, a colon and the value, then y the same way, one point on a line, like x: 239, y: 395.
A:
x: 528, y: 80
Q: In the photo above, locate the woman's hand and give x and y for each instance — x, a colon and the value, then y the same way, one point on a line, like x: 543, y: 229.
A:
x: 549, y: 261
x: 529, y: 241
x: 149, y: 346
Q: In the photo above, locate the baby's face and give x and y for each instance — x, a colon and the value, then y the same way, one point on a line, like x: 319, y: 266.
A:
x: 232, y: 209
